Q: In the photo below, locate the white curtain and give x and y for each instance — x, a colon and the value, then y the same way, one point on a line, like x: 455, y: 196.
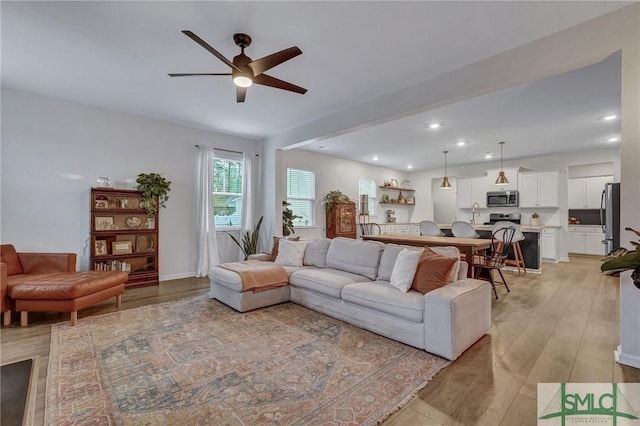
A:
x: 251, y: 180
x: 207, y: 241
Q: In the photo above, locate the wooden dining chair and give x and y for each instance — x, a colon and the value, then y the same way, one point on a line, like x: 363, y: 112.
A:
x: 501, y: 242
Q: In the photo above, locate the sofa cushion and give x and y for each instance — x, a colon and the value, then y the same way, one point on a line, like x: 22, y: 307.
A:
x: 276, y: 244
x: 450, y: 251
x: 432, y: 272
x: 232, y: 280
x: 325, y: 281
x: 405, y: 269
x: 382, y: 297
x: 10, y: 257
x: 315, y: 253
x: 388, y: 259
x: 358, y: 257
x: 290, y: 253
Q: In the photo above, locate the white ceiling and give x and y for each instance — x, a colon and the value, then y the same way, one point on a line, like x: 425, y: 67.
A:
x: 116, y: 55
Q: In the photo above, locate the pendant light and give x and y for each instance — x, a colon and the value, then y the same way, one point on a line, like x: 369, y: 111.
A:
x: 502, y: 179
x: 445, y: 180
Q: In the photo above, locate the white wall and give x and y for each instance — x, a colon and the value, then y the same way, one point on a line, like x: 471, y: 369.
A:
x: 52, y: 153
x: 336, y: 173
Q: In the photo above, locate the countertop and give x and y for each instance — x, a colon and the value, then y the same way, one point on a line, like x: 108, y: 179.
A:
x: 523, y: 228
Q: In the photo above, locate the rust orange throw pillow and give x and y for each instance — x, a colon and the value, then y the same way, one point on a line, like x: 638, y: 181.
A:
x: 276, y: 243
x: 433, y: 270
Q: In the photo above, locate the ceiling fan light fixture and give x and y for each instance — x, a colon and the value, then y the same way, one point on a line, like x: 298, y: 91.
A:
x: 242, y: 81
x: 445, y: 180
x: 502, y: 179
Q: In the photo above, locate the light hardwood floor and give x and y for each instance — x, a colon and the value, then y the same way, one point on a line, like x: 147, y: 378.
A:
x: 561, y: 326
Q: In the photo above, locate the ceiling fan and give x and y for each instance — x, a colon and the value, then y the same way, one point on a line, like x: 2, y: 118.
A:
x: 245, y: 71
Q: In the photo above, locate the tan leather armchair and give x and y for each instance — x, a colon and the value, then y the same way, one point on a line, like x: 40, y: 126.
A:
x: 15, y: 267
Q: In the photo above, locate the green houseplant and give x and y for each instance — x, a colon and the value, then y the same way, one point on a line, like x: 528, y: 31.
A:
x: 287, y: 219
x: 153, y: 185
x: 249, y: 241
x: 621, y: 259
x: 332, y: 198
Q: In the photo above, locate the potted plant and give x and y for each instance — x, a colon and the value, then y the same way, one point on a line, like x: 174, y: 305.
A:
x: 249, y: 242
x: 621, y: 259
x: 155, y: 189
x: 287, y: 219
x: 331, y: 199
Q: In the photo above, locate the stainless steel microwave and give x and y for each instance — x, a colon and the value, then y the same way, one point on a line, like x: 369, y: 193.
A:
x: 503, y: 199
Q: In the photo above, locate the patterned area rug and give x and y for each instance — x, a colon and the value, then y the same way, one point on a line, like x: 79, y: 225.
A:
x: 196, y: 361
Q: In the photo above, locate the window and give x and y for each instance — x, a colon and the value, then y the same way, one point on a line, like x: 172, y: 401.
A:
x: 227, y: 189
x: 301, y: 194
x: 368, y: 187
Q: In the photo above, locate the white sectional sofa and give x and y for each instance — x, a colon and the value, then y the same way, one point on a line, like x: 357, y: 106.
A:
x: 350, y: 280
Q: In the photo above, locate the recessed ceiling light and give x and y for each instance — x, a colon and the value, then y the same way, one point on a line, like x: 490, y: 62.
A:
x: 461, y: 143
x: 321, y: 147
x: 488, y: 155
x: 610, y: 117
x: 375, y: 158
x: 434, y: 125
x: 409, y: 166
x: 613, y: 139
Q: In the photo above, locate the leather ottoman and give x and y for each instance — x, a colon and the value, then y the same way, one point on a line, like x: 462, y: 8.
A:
x: 64, y: 291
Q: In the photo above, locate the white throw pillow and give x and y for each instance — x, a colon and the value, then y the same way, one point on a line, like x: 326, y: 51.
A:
x: 290, y: 253
x: 405, y: 269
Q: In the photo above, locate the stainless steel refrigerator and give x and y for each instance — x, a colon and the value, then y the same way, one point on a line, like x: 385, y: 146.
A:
x: 610, y: 216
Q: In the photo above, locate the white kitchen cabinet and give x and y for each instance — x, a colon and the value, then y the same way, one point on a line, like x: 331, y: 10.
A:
x: 539, y: 189
x: 586, y: 240
x: 510, y: 174
x: 586, y: 193
x: 549, y: 243
x: 472, y: 190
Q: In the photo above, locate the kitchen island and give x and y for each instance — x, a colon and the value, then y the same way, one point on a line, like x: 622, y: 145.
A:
x: 531, y: 246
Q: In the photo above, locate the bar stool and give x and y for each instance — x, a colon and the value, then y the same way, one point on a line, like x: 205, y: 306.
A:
x: 518, y: 236
x: 430, y: 228
x: 461, y: 229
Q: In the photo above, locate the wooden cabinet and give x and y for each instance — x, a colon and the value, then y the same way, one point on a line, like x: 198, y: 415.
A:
x: 123, y: 236
x: 341, y: 220
x: 472, y: 190
x: 540, y: 189
x: 586, y: 193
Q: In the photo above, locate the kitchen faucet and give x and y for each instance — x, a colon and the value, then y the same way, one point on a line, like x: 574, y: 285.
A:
x: 473, y: 212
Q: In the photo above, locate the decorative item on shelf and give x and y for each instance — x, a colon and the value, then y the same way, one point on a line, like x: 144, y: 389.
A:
x: 249, y: 240
x: 121, y: 247
x: 406, y: 184
x: 134, y: 222
x: 621, y: 259
x: 445, y: 180
x: 385, y: 198
x: 535, y: 219
x: 102, y: 202
x: 104, y: 182
x: 390, y: 216
x: 151, y: 223
x: 387, y: 183
x: 287, y: 219
x: 502, y: 179
x: 394, y: 183
x: 401, y: 199
x: 155, y: 189
x: 104, y: 223
x: 411, y: 199
x: 100, y: 248
x: 330, y: 199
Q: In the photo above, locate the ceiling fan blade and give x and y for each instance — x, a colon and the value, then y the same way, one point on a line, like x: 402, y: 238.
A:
x: 241, y: 93
x: 267, y: 80
x: 192, y: 74
x: 211, y: 50
x: 263, y: 64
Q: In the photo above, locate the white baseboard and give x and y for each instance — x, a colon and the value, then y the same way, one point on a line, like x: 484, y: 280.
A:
x: 622, y: 358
